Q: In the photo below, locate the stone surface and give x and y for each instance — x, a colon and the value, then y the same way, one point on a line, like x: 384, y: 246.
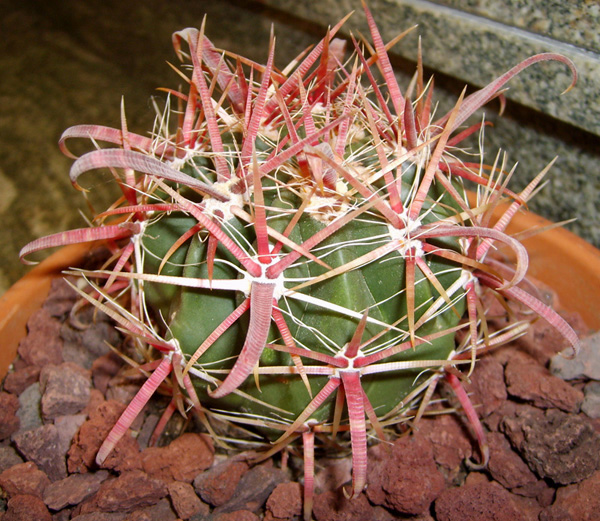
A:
x: 67, y: 426
x: 557, y: 446
x: 61, y: 297
x: 19, y: 380
x: 85, y: 345
x: 101, y: 516
x: 104, y: 368
x: 393, y: 471
x: 42, y: 346
x: 182, y: 460
x: 91, y: 434
x: 285, y: 501
x: 125, y: 456
x: 334, y: 506
x: 161, y: 511
x: 26, y: 508
x: 30, y: 413
x: 527, y: 380
x: 579, y: 502
x: 24, y: 478
x: 73, y: 489
x: 217, y: 485
x: 505, y: 465
x: 9, y: 421
x: 487, y: 388
x: 238, y: 515
x: 185, y: 501
x: 478, y: 502
x: 65, y: 389
x: 42, y: 446
x: 574, y: 22
x: 540, y: 490
x: 450, y: 442
x: 253, y: 489
x: 131, y: 490
x: 333, y: 473
x: 9, y: 458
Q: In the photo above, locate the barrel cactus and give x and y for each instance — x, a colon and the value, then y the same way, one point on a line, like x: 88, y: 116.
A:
x: 295, y: 250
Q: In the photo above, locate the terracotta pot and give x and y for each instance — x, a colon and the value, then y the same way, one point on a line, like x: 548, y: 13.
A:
x: 28, y: 294
x: 558, y: 258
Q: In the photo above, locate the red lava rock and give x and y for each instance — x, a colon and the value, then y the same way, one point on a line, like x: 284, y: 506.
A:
x: 217, y: 485
x: 61, y: 298
x: 254, y: 488
x: 43, y: 345
x: 9, y: 421
x: 102, y: 516
x: 485, y: 501
x: 285, y: 501
x: 42, y: 446
x: 332, y: 473
x: 146, y: 430
x: 97, y: 336
x: 65, y: 389
x: 185, y: 501
x: 182, y: 460
x: 505, y: 465
x: 85, y: 345
x: 238, y: 515
x: 527, y: 506
x: 556, y: 445
x: 156, y: 462
x: 129, y: 491
x: 540, y: 490
x: 404, y: 477
x: 334, y: 506
x: 96, y: 399
x: 26, y: 508
x: 450, y: 442
x: 103, y: 369
x: 67, y: 426
x: 73, y: 489
x: 529, y: 381
x: 161, y: 511
x: 24, y: 478
x: 91, y: 434
x: 507, y: 410
x: 580, y: 502
x: 29, y: 413
x: 125, y: 456
x: 487, y: 388
x: 8, y: 458
x: 191, y: 453
x: 19, y: 380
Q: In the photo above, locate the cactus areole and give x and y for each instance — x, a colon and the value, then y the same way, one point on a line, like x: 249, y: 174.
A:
x: 294, y: 250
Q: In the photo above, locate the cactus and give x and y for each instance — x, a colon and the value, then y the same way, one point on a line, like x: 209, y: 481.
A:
x: 296, y: 250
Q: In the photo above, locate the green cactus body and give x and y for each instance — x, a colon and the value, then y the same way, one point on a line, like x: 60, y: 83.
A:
x: 191, y: 315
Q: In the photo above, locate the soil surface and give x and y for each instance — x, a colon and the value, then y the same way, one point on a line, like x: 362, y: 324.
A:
x: 67, y: 388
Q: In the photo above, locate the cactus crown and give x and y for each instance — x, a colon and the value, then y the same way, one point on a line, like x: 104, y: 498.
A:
x: 297, y: 248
